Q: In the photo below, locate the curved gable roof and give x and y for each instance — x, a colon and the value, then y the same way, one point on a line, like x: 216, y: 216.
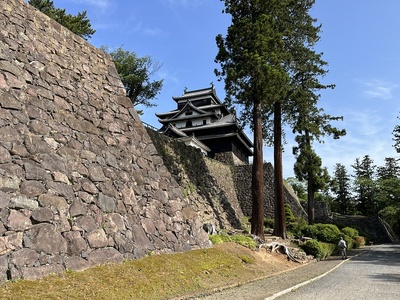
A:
x: 199, y: 94
x: 189, y: 106
x: 175, y: 131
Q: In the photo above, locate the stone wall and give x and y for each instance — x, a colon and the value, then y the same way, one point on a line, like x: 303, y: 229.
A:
x: 373, y: 227
x: 243, y: 189
x: 219, y: 192
x: 207, y: 183
x: 322, y: 212
x: 230, y: 158
x: 81, y: 182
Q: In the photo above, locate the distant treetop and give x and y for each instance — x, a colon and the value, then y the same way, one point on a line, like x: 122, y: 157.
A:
x: 78, y: 24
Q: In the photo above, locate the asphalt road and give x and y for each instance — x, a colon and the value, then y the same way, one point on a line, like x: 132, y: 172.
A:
x: 373, y: 274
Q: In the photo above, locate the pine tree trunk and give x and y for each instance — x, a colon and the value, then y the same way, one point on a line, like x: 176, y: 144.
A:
x: 310, y: 188
x: 310, y: 200
x: 280, y: 221
x: 257, y: 218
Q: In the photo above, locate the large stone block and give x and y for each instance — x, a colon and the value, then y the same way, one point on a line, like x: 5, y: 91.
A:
x: 76, y: 243
x: 46, y: 238
x: 97, y: 238
x: 32, y: 273
x: 24, y: 257
x: 105, y: 255
x: 18, y: 222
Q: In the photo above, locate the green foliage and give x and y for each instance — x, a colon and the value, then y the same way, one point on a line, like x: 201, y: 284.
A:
x: 318, y: 249
x: 189, y: 189
x: 341, y: 186
x: 312, y: 247
x: 326, y: 237
x: 297, y: 228
x: 269, y: 223
x: 328, y: 233
x: 299, y: 188
x: 243, y: 240
x: 245, y: 224
x: 391, y: 214
x: 288, y: 214
x: 166, y: 276
x: 351, y: 232
x: 78, y: 24
x: 396, y: 137
x: 294, y: 225
x: 135, y: 73
x: 377, y: 191
x: 217, y: 239
x: 365, y: 186
x: 388, y: 192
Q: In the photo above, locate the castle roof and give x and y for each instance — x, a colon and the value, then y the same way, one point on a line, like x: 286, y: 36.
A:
x: 201, y: 113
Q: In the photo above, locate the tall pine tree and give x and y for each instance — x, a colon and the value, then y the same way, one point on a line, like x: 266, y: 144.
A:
x: 256, y: 58
x: 365, y: 186
x: 309, y: 122
x: 251, y: 58
x: 388, y: 184
x: 341, y: 187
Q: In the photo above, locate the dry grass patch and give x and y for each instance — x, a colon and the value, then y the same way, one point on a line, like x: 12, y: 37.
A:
x: 155, y: 277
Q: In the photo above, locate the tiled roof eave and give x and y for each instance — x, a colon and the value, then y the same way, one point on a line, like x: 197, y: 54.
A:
x: 226, y: 135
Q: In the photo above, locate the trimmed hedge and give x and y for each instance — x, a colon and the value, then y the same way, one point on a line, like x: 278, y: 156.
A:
x: 318, y: 249
x: 325, y: 238
x: 351, y: 232
x: 327, y: 233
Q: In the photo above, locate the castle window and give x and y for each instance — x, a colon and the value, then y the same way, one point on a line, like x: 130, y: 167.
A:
x: 189, y: 124
x: 204, y: 122
x: 189, y: 113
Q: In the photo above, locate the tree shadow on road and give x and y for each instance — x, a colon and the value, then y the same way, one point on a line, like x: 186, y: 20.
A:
x: 385, y: 255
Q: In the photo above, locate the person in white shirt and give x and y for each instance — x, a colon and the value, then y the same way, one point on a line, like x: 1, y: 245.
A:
x: 342, y: 246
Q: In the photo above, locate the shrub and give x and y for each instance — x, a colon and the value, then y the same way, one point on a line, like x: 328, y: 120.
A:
x: 366, y: 236
x: 297, y: 227
x: 327, y: 233
x: 328, y: 249
x: 349, y: 231
x: 359, y: 241
x: 269, y: 223
x: 245, y: 224
x: 289, y: 214
x: 318, y: 249
x: 312, y: 247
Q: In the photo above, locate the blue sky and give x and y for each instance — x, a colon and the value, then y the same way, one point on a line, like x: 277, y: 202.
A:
x: 359, y: 39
